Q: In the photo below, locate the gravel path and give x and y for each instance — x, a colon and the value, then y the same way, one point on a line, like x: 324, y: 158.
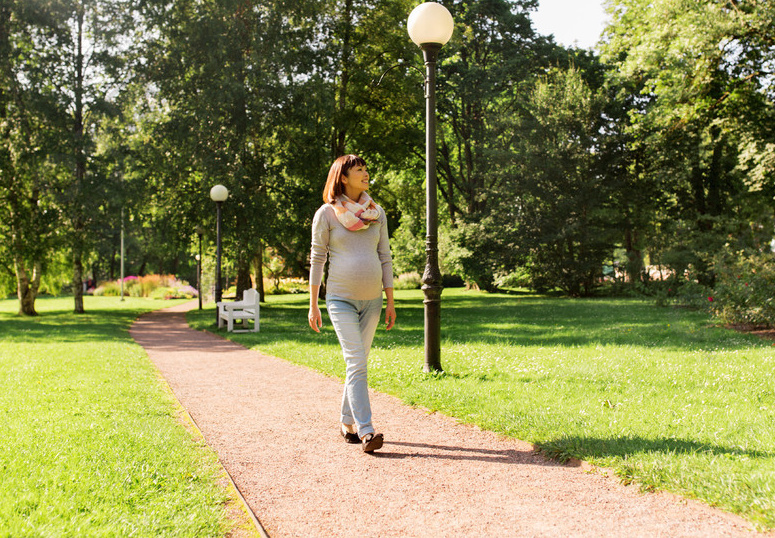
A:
x: 274, y: 427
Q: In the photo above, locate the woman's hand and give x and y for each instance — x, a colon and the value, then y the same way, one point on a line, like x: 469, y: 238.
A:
x: 390, y: 309
x: 315, y: 320
x: 390, y: 316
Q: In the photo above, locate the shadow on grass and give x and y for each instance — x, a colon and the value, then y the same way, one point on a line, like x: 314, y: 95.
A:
x: 513, y: 320
x: 584, y: 448
x: 63, y: 327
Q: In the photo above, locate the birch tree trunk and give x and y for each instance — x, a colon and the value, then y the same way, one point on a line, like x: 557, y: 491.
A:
x: 26, y: 286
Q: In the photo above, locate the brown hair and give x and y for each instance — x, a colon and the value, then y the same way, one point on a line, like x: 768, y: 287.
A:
x: 334, y: 186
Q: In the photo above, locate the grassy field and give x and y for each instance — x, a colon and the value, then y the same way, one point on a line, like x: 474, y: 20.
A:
x: 90, y: 440
x: 659, y: 395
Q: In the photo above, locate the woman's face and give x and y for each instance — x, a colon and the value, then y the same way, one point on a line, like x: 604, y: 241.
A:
x: 356, y: 180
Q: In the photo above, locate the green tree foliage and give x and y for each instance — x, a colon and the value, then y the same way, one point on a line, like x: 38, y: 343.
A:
x: 25, y: 183
x: 554, y: 209
x: 702, y: 117
x: 566, y: 220
x: 210, y: 121
x: 261, y: 98
x: 493, y: 51
x: 62, y: 73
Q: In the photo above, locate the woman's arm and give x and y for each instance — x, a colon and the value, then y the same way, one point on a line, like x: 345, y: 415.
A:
x: 315, y: 319
x: 390, y: 309
x: 317, y: 258
x: 386, y: 259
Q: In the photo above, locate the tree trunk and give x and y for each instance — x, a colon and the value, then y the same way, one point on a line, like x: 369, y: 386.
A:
x: 634, y: 256
x: 80, y: 170
x: 78, y: 281
x: 243, y: 275
x: 258, y: 266
x: 26, y: 287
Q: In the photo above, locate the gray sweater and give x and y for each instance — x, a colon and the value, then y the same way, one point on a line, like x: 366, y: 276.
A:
x: 360, y: 262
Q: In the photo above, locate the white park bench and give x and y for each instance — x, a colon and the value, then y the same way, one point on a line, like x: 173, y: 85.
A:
x: 243, y: 311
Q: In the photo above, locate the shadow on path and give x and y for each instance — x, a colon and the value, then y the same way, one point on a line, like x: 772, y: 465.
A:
x: 459, y: 453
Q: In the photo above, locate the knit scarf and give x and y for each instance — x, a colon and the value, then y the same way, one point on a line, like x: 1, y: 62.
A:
x: 356, y: 215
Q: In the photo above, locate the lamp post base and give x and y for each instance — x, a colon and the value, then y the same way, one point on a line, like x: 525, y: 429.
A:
x: 432, y: 304
x: 432, y: 288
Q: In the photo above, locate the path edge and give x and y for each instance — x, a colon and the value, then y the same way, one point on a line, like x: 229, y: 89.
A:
x: 191, y: 425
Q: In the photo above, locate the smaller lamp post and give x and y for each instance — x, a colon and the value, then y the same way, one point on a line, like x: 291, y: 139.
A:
x: 122, y: 253
x: 198, y: 259
x: 200, y: 231
x: 218, y: 193
x: 430, y: 26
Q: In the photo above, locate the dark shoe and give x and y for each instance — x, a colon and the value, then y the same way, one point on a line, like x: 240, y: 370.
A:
x: 351, y: 438
x: 372, y: 442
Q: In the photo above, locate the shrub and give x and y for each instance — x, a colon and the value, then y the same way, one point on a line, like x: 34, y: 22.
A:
x: 108, y: 289
x: 178, y: 292
x: 408, y: 245
x: 133, y: 287
x: 694, y: 295
x: 154, y: 286
x: 452, y: 281
x: 519, y: 278
x: 294, y: 285
x: 407, y: 281
x: 149, y: 283
x: 744, y: 288
x: 51, y: 284
x: 163, y: 293
x: 685, y: 293
x: 283, y: 286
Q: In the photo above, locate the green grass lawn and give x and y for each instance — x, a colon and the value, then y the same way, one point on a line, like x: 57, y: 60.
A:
x: 90, y: 441
x: 657, y: 394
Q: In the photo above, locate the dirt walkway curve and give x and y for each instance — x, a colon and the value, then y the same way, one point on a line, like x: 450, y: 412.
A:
x: 274, y: 427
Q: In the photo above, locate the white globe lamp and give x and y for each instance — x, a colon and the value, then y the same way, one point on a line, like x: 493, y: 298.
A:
x: 219, y: 193
x: 430, y: 23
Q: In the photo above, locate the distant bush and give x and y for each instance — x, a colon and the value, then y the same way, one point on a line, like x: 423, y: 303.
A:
x: 179, y: 292
x: 144, y: 286
x: 108, y: 289
x: 694, y: 295
x: 519, y: 278
x: 744, y: 293
x: 676, y: 292
x: 407, y: 281
x: 452, y: 281
x: 153, y: 286
x: 282, y: 286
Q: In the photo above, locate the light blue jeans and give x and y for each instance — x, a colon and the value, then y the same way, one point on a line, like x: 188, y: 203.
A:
x: 355, y: 323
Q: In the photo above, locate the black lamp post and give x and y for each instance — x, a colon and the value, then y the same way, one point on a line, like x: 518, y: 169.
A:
x: 200, y: 231
x: 430, y: 26
x: 122, y: 253
x: 219, y: 193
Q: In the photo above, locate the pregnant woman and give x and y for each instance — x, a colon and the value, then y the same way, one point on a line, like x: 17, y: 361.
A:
x: 351, y: 231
